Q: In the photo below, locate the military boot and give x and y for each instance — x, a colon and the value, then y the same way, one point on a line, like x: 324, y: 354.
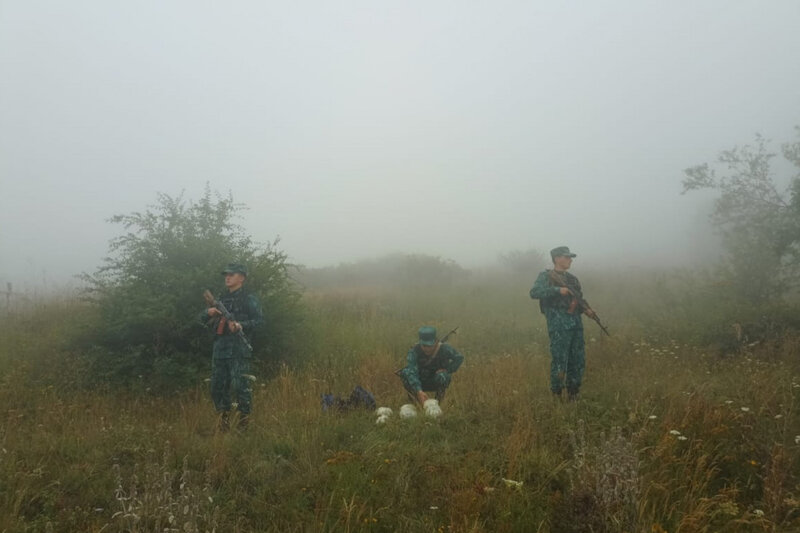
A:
x: 572, y: 395
x: 224, y: 423
x: 440, y: 394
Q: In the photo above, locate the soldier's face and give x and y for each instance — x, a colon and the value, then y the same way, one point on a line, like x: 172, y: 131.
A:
x: 562, y: 262
x: 428, y: 350
x: 233, y: 281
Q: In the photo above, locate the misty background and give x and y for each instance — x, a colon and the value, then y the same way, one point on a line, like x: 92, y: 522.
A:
x: 356, y: 129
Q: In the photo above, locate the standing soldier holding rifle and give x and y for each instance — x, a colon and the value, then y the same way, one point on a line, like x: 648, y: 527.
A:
x: 561, y: 301
x: 232, y: 316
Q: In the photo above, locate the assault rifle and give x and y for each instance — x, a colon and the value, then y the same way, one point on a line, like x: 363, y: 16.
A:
x: 451, y: 332
x: 577, y: 302
x: 212, y: 302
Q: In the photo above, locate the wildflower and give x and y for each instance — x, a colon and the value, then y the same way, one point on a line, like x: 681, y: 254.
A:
x: 797, y: 439
x: 753, y: 462
x: 674, y: 432
x: 758, y: 512
x: 728, y: 402
x: 433, y: 508
x: 778, y: 417
x: 745, y: 409
x: 513, y: 484
x: 681, y: 437
x: 636, y: 351
x: 652, y: 417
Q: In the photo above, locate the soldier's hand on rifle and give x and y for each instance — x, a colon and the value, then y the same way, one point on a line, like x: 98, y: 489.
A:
x: 234, y: 326
x: 422, y: 397
x: 564, y: 291
x: 590, y: 313
x: 213, y: 311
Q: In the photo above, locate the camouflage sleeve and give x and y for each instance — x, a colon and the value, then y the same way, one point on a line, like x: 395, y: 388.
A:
x: 412, y: 370
x: 255, y: 315
x: 543, y: 289
x: 454, y: 359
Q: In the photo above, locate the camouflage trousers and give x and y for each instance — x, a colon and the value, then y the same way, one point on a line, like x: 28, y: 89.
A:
x: 437, y: 383
x: 228, y: 378
x: 568, y: 353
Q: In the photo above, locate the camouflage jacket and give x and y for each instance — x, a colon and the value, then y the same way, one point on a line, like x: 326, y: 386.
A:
x: 421, y: 368
x: 555, y: 306
x: 247, y: 311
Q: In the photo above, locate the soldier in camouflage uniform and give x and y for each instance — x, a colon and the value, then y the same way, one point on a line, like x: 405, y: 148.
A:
x: 230, y: 362
x: 430, y: 366
x: 561, y: 301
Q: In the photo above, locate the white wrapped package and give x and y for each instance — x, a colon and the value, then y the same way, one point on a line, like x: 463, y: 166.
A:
x: 432, y: 408
x: 384, y: 411
x: 408, y: 411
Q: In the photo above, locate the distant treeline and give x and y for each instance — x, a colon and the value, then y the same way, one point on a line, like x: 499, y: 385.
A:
x: 417, y: 270
x: 394, y: 270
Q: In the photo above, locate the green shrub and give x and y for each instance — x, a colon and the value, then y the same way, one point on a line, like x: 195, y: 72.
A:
x: 149, y: 291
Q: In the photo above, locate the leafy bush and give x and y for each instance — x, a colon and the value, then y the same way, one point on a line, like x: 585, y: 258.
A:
x: 149, y: 290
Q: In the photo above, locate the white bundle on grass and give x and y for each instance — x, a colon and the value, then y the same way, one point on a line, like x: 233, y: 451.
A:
x: 408, y: 411
x: 383, y: 414
x: 432, y: 408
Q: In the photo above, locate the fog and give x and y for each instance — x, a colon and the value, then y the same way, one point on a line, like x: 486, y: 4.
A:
x: 356, y: 129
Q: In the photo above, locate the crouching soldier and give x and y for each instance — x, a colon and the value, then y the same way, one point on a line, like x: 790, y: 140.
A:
x: 232, y: 354
x: 430, y: 366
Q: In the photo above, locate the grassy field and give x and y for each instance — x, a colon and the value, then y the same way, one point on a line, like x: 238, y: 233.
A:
x: 669, y: 434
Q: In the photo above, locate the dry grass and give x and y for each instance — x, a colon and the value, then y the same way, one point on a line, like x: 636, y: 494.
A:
x: 667, y: 437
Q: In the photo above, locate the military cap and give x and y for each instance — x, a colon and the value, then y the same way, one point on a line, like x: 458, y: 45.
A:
x: 561, y: 250
x: 427, y: 335
x: 235, y: 268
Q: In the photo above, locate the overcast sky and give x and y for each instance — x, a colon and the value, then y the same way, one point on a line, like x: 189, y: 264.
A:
x: 357, y: 128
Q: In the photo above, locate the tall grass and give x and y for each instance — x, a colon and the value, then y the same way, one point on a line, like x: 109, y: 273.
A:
x: 668, y: 435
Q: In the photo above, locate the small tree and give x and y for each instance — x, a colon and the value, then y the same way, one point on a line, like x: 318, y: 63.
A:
x: 149, y: 290
x: 758, y: 219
